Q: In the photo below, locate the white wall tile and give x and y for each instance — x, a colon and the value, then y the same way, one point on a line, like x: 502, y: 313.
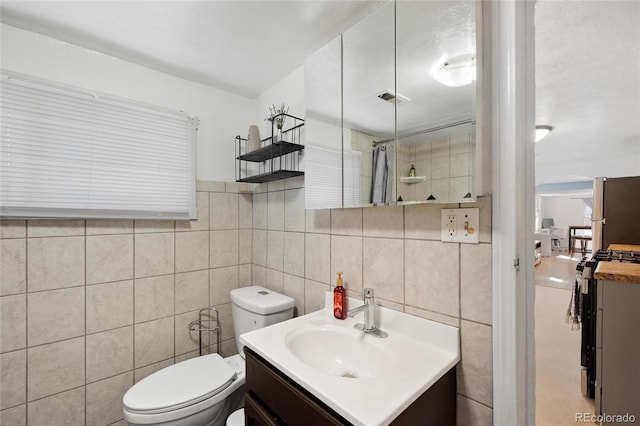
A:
x: 472, y: 413
x: 202, y: 222
x: 13, y: 374
x: 346, y: 256
x: 192, y: 251
x: 13, y: 322
x: 245, y: 211
x: 13, y: 266
x: 142, y: 372
x: 55, y: 263
x: 223, y: 280
x: 383, y: 268
x: 314, y: 294
x: 275, y: 208
x: 275, y: 250
x: 153, y: 226
x: 294, y: 287
x: 153, y: 342
x: 259, y: 275
x: 223, y: 210
x: 109, y: 353
x: 187, y: 341
x: 66, y: 408
x: 224, y: 248
x: 109, y: 306
x: 386, y: 222
x: 154, y: 297
x: 109, y: 258
x: 294, y: 210
x: 475, y: 368
x: 475, y: 282
x: 346, y: 222
x: 275, y: 280
x: 245, y: 249
x: 55, y: 315
x: 154, y: 254
x: 317, y: 257
x: 433, y: 316
x: 259, y: 247
x: 108, y: 226
x: 460, y: 165
x: 192, y: 291
x: 104, y: 399
x: 318, y: 221
x: 54, y: 228
x: 16, y: 416
x: 422, y: 221
x: 13, y: 228
x: 294, y: 253
x: 244, y: 275
x: 260, y: 212
x: 55, y: 367
x: 432, y: 276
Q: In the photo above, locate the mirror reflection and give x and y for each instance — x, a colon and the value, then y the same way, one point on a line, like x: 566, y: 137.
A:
x: 392, y: 105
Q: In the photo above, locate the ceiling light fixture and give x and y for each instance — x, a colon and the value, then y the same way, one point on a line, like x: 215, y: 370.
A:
x: 542, y: 131
x: 458, y: 71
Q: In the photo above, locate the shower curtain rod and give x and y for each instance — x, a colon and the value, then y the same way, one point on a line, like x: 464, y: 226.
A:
x: 420, y: 132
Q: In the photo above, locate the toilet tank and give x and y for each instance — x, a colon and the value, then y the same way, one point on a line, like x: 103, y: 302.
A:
x: 257, y: 307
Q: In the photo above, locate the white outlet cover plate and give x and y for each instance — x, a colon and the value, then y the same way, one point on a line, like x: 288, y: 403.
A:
x: 469, y: 217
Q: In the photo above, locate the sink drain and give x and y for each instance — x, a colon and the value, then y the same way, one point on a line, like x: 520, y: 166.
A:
x: 349, y: 375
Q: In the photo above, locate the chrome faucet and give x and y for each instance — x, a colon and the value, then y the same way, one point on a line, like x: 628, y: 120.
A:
x: 368, y: 308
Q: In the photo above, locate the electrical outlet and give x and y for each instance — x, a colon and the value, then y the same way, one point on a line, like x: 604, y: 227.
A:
x: 460, y: 225
x: 452, y: 224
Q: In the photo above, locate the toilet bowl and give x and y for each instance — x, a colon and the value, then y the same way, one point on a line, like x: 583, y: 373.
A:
x: 205, y: 390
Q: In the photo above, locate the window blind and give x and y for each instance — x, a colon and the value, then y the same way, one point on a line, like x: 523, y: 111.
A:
x: 65, y: 152
x: 352, y: 178
x: 323, y: 182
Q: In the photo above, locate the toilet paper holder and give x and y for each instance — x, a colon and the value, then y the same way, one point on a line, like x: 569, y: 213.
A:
x: 208, y: 322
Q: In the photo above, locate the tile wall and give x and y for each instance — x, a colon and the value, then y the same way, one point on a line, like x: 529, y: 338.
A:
x: 395, y: 250
x: 89, y: 307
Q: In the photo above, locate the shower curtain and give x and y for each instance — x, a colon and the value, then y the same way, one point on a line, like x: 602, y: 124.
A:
x: 382, y: 175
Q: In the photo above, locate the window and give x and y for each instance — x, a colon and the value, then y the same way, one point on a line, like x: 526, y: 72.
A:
x: 65, y: 152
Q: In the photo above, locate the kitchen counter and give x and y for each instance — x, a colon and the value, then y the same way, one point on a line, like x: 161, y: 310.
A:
x: 616, y: 271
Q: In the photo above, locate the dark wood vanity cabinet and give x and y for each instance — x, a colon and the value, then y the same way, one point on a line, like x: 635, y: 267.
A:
x: 274, y: 399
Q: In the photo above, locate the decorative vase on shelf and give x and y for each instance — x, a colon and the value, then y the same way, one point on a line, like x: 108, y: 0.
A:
x: 253, y: 140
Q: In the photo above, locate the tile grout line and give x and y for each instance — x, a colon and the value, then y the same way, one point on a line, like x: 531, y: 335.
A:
x: 84, y: 224
x: 26, y: 322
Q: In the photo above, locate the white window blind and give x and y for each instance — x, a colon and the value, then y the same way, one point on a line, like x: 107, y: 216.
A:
x: 323, y: 178
x: 352, y: 177
x: 65, y: 152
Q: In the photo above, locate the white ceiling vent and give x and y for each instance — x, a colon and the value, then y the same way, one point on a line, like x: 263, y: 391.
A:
x: 391, y: 96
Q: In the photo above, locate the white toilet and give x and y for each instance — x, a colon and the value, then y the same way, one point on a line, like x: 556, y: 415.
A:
x: 205, y: 390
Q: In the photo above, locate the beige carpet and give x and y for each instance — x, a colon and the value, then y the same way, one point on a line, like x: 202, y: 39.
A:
x: 558, y: 396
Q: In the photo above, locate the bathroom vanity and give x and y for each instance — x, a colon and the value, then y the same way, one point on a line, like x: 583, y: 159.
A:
x: 272, y: 398
x: 316, y: 369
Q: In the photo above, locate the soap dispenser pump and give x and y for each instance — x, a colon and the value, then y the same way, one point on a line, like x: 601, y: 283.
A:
x: 339, y: 299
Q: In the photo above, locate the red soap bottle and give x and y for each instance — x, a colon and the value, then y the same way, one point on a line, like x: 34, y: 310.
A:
x: 339, y: 299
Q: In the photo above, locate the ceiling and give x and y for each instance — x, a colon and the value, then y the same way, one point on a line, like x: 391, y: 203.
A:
x: 587, y: 59
x: 242, y: 47
x: 588, y: 89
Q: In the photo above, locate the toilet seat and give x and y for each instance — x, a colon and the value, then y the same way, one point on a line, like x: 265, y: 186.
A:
x: 180, y: 385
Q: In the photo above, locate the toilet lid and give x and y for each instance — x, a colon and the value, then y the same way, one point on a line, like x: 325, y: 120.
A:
x: 180, y: 385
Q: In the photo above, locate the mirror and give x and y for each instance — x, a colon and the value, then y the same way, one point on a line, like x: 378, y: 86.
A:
x: 379, y: 122
x: 323, y: 127
x: 436, y: 128
x: 368, y: 68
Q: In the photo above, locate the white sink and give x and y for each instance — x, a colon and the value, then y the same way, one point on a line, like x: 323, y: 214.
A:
x: 339, y: 351
x: 367, y: 380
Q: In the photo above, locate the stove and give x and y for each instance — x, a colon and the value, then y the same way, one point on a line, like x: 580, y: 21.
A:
x: 624, y: 256
x: 586, y: 296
